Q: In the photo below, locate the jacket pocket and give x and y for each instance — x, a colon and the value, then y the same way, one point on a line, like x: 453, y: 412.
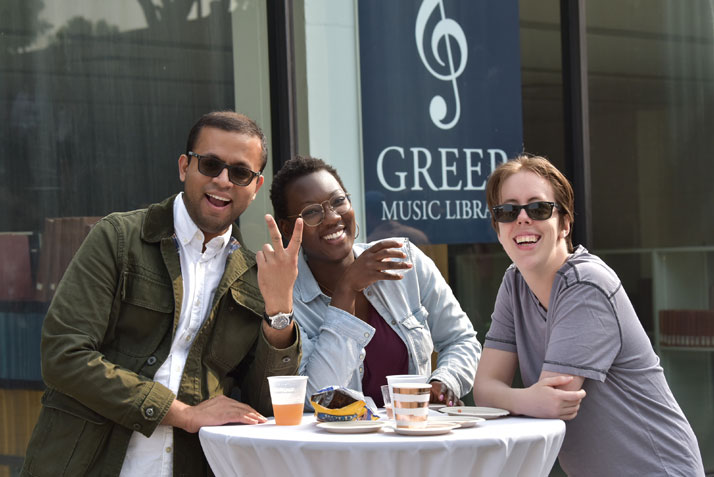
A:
x: 68, y: 439
x: 146, y: 314
x: 417, y: 319
x: 247, y: 295
x: 237, y: 326
x: 418, y: 333
x: 60, y: 401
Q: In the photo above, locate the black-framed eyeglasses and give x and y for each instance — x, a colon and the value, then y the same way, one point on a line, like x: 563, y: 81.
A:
x: 314, y: 214
x: 212, y: 167
x: 540, y: 210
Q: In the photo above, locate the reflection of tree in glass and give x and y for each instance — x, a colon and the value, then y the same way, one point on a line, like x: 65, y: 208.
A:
x: 167, y: 12
x: 81, y: 88
x: 81, y: 27
x: 104, y: 28
x: 20, y: 24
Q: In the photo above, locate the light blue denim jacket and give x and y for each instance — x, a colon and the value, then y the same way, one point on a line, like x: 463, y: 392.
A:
x: 421, y: 308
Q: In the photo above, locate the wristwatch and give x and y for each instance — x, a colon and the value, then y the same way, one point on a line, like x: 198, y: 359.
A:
x: 279, y: 321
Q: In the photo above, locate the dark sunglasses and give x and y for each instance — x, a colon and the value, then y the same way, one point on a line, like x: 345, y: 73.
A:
x: 540, y: 210
x: 314, y: 214
x: 212, y: 167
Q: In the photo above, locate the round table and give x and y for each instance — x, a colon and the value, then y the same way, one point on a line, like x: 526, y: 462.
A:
x: 511, y: 446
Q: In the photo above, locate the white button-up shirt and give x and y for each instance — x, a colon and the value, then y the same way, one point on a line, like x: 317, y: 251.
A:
x: 201, y: 272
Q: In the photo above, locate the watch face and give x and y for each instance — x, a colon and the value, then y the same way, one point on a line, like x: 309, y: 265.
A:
x: 280, y: 321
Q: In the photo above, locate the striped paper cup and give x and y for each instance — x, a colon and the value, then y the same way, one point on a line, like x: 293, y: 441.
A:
x: 410, y: 403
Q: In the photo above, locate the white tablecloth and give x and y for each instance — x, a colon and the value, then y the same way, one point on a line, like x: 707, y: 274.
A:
x: 501, y: 447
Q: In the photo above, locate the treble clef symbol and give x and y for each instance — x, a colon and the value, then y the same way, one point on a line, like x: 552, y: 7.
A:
x: 445, y: 29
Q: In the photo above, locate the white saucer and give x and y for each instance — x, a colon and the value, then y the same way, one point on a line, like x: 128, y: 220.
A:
x: 462, y: 421
x: 430, y: 429
x: 351, y: 427
x: 475, y: 411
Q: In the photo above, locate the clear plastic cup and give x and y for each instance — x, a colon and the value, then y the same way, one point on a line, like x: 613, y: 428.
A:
x: 387, y: 401
x: 288, y: 396
x: 405, y: 248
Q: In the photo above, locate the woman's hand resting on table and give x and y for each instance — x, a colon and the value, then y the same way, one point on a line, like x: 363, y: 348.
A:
x: 441, y: 394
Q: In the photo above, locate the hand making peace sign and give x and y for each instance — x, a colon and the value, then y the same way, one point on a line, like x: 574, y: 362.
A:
x: 277, y: 268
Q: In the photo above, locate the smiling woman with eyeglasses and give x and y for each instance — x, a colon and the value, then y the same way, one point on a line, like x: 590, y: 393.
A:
x: 563, y: 318
x: 314, y: 214
x: 366, y: 311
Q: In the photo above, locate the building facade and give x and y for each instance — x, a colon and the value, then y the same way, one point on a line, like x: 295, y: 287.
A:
x: 97, y: 97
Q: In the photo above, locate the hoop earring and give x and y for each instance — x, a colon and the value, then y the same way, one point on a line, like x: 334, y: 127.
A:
x: 357, y: 233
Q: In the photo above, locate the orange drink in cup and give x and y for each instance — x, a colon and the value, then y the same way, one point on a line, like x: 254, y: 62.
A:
x: 288, y: 414
x: 288, y: 396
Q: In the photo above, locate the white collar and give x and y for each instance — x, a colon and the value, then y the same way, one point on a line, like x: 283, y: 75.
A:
x: 190, y: 235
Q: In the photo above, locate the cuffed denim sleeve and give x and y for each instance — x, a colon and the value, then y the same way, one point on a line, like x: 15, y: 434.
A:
x: 452, y: 333
x: 423, y: 310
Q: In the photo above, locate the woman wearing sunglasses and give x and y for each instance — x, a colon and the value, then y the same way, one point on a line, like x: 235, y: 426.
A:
x: 365, y: 313
x: 562, y: 317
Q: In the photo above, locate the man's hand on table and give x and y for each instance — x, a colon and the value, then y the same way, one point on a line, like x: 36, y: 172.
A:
x: 213, y: 412
x: 440, y: 393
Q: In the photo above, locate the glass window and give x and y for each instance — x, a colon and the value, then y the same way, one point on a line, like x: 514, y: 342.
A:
x: 96, y: 101
x: 651, y: 67
x: 650, y: 75
x: 476, y: 270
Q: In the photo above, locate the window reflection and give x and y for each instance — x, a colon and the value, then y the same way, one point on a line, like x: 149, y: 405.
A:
x: 96, y: 99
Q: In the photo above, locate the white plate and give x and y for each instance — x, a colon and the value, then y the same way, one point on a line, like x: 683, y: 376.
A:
x: 436, y: 407
x: 475, y: 411
x: 351, y: 427
x: 430, y: 429
x: 463, y: 421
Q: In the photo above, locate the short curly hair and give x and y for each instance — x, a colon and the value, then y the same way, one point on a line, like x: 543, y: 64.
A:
x: 295, y: 168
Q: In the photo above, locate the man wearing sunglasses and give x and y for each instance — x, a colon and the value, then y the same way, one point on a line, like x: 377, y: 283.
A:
x: 562, y: 317
x: 162, y: 315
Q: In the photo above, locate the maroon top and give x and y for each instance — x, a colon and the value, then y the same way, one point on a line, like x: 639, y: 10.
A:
x: 386, y: 355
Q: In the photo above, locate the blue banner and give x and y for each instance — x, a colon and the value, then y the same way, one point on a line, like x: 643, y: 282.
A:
x: 441, y: 108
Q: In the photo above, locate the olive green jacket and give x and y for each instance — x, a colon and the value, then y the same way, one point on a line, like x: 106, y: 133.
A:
x: 110, y: 327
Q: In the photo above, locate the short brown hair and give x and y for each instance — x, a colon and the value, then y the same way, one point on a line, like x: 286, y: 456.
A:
x: 542, y: 167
